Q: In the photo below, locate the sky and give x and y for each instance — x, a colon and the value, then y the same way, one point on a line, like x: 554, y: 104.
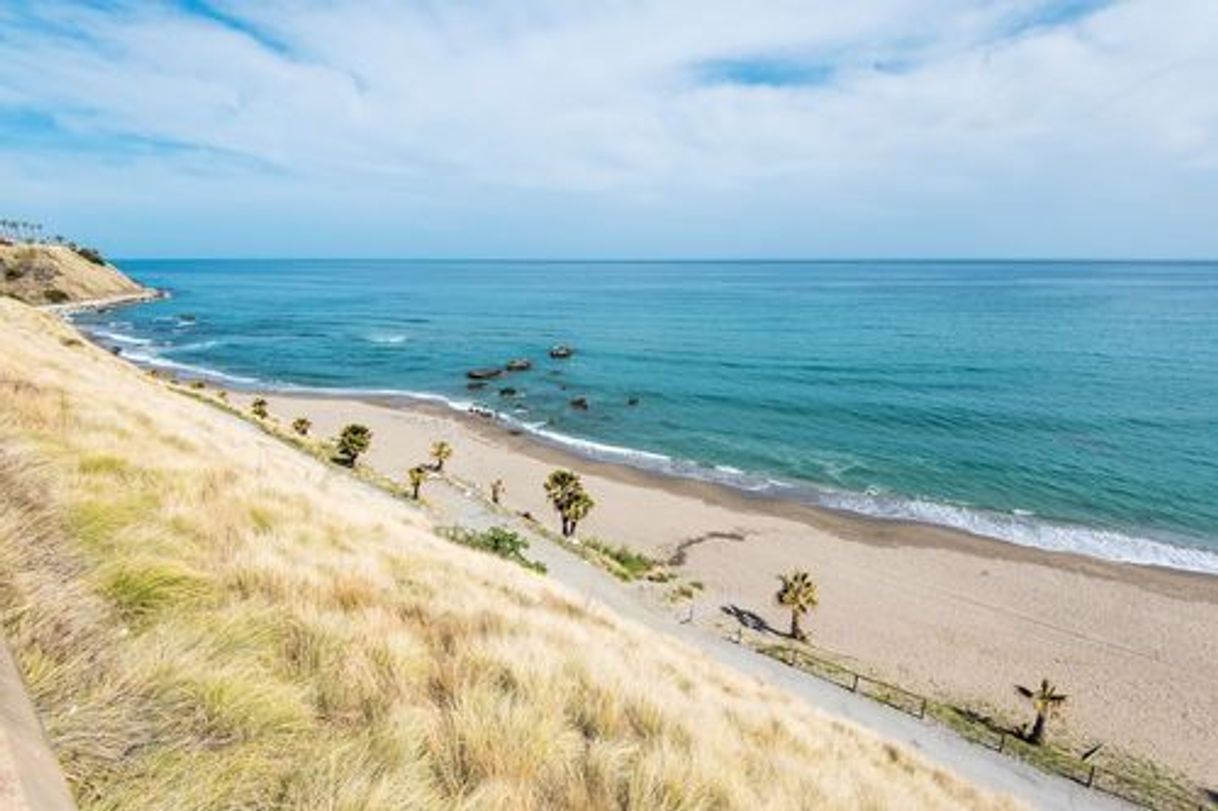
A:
x: 615, y: 129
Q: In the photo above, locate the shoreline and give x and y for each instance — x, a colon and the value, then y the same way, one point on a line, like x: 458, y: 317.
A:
x: 852, y: 524
x: 68, y: 309
x: 933, y: 609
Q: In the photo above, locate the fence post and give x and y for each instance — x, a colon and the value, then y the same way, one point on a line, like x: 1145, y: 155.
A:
x: 854, y: 685
x: 922, y: 709
x: 1002, y: 742
x: 1091, y: 777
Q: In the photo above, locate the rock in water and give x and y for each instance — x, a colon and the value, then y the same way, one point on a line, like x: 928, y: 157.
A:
x: 561, y: 351
x: 483, y: 374
x: 580, y: 403
x: 519, y: 365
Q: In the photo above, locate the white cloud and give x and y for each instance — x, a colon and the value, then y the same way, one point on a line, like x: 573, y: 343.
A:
x: 929, y: 112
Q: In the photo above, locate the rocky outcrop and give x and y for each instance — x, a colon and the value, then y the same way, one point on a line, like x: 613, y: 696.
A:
x: 484, y: 374
x: 560, y: 351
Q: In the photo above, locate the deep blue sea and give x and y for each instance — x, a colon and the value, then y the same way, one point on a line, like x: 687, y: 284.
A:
x: 1062, y: 405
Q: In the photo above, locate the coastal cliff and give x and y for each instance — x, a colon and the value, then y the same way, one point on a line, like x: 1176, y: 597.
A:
x: 58, y: 274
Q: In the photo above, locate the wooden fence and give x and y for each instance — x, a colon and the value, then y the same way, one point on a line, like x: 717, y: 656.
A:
x: 1162, y: 797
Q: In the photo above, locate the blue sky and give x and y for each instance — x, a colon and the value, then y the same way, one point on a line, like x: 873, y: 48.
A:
x: 643, y: 128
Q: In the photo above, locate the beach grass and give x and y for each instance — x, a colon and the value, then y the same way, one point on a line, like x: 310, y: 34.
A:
x: 207, y: 619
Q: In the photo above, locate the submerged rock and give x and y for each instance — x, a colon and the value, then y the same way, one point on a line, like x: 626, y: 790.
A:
x: 561, y: 351
x: 633, y: 401
x: 483, y: 374
x: 474, y: 385
x: 580, y: 403
x: 507, y: 391
x: 519, y: 365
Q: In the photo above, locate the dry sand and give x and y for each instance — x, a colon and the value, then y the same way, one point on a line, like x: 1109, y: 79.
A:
x: 932, y: 609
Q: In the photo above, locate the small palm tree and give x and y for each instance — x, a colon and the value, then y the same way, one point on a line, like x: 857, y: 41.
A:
x: 497, y: 490
x: 258, y: 407
x: 352, y: 441
x: 575, y: 511
x: 566, y: 492
x: 1047, y: 702
x: 301, y: 425
x: 417, y: 475
x: 561, y: 486
x: 441, y: 451
x: 797, y: 593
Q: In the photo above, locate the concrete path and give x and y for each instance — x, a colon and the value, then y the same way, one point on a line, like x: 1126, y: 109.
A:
x: 30, y: 779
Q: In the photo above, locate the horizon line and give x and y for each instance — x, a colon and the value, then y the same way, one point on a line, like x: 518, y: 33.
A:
x: 680, y: 260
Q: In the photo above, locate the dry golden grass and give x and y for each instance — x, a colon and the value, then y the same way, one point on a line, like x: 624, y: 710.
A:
x: 208, y: 619
x: 41, y: 274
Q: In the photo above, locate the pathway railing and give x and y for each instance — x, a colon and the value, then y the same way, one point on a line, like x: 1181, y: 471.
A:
x: 1133, y: 788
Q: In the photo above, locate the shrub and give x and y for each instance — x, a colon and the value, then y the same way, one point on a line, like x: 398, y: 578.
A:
x: 496, y: 540
x: 91, y: 254
x: 258, y: 407
x: 301, y: 425
x: 56, y: 296
x: 352, y: 441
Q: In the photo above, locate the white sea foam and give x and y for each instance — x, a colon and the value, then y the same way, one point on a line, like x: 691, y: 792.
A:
x: 1024, y: 528
x: 150, y: 358
x: 119, y: 338
x: 391, y: 338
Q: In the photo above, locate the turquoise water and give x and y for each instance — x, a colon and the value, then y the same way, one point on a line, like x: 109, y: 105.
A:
x: 1063, y: 405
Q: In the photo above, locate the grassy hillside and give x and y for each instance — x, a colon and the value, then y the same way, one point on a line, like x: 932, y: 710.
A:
x: 55, y: 274
x: 209, y: 619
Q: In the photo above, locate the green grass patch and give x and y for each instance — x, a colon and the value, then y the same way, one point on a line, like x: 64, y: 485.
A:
x: 96, y: 521
x: 623, y: 562
x: 142, y: 587
x: 103, y: 465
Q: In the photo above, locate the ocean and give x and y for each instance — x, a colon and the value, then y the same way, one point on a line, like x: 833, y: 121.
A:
x: 1063, y: 405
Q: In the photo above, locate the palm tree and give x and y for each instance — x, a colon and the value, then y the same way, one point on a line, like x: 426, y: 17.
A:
x: 798, y: 593
x: 575, y: 511
x: 258, y: 407
x: 566, y: 493
x: 440, y: 451
x: 1047, y: 702
x: 352, y: 441
x: 301, y: 425
x: 417, y: 475
x: 497, y: 490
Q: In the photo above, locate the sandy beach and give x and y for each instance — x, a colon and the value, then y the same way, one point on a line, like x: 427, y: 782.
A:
x: 932, y: 609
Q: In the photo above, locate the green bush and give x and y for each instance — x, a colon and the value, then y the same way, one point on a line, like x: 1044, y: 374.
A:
x: 56, y: 296
x: 92, y: 254
x: 496, y: 540
x: 352, y: 441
